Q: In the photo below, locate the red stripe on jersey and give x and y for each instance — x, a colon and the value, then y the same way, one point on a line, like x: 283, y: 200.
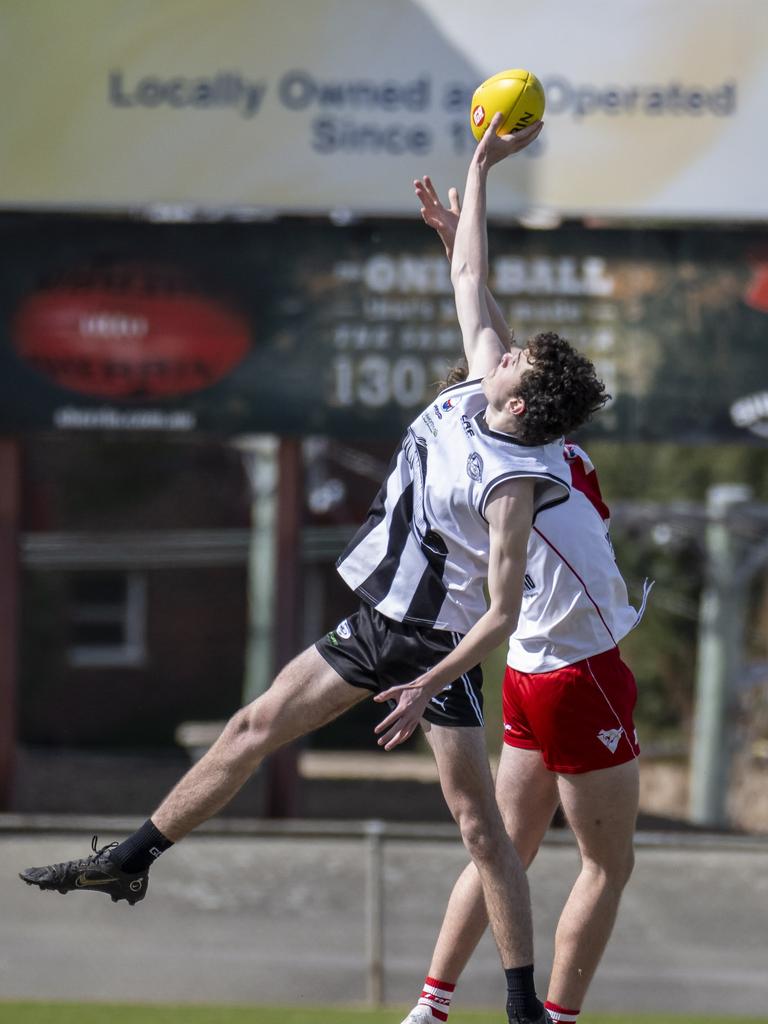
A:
x: 584, y: 478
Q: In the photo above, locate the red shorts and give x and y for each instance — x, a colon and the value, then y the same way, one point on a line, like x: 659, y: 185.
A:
x: 579, y: 716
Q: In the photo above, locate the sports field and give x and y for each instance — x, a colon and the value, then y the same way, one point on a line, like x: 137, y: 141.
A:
x: 98, y: 1013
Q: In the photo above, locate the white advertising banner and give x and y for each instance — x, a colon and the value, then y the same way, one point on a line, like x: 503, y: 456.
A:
x: 654, y: 110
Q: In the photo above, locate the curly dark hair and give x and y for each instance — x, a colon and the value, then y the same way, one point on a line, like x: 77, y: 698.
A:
x: 561, y: 390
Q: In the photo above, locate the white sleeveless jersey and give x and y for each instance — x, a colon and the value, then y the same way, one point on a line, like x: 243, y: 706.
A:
x: 575, y: 602
x: 421, y: 557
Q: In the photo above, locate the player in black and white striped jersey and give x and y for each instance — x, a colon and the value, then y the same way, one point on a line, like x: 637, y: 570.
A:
x: 415, y: 562
x: 569, y: 735
x: 422, y: 554
x: 454, y: 514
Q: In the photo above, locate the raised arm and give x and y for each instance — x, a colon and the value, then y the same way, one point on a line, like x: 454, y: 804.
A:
x: 483, y: 347
x: 444, y: 220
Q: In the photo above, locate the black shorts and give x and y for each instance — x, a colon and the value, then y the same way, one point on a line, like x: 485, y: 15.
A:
x: 373, y: 652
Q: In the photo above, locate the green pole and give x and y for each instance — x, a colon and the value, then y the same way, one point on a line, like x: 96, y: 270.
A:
x: 259, y: 453
x: 721, y: 624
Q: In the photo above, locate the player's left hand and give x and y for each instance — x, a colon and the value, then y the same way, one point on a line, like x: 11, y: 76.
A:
x: 443, y: 219
x: 401, y: 723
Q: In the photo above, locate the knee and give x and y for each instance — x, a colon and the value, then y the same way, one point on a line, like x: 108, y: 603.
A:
x: 526, y: 849
x: 248, y: 730
x: 626, y: 866
x: 482, y: 835
x: 612, y: 870
x: 622, y: 870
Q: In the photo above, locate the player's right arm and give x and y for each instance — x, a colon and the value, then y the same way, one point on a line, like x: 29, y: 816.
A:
x: 483, y: 347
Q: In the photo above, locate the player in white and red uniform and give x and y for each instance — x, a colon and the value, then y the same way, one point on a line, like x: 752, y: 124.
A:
x: 569, y: 737
x: 566, y: 690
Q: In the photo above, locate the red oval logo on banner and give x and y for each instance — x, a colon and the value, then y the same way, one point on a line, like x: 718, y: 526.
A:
x: 756, y: 294
x: 129, y: 336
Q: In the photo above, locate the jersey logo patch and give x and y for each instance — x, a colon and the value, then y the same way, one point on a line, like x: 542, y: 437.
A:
x: 430, y: 424
x: 448, y: 404
x: 475, y: 466
x: 610, y: 738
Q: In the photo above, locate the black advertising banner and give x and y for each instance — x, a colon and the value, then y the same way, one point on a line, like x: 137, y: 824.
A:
x: 304, y: 327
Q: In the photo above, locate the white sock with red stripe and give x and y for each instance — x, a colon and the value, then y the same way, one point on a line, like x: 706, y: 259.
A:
x: 559, y: 1014
x: 437, y: 996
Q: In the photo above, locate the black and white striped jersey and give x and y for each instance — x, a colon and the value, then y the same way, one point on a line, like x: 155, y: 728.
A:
x: 421, y: 556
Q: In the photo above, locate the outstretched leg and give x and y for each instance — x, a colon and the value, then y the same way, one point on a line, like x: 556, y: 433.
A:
x: 307, y: 693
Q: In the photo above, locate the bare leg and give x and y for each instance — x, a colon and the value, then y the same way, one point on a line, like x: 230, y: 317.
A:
x: 307, y: 693
x: 526, y: 793
x: 601, y: 808
x: 467, y: 784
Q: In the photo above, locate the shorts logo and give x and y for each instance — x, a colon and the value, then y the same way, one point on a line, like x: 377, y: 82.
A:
x: 610, y: 738
x: 529, y: 583
x: 475, y: 466
x: 440, y: 701
x: 343, y: 630
x: 332, y: 638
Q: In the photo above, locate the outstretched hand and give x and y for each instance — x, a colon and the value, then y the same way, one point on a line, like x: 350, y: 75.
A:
x: 435, y: 215
x: 495, y: 148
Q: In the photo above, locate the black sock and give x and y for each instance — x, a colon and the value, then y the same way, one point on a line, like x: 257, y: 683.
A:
x: 141, y: 849
x: 522, y: 1003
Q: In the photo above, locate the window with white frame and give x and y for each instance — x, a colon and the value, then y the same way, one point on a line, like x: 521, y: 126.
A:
x: 108, y: 613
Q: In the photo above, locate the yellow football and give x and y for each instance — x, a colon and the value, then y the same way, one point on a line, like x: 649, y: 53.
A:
x: 517, y: 93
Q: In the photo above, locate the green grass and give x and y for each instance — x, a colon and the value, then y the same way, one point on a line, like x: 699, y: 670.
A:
x: 108, y: 1013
